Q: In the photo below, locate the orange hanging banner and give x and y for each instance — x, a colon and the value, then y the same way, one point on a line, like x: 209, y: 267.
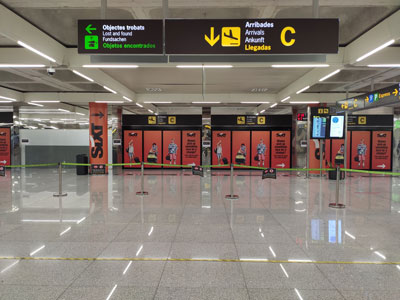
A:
x: 98, y: 137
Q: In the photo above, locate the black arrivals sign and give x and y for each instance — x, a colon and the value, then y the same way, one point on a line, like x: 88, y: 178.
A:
x: 252, y: 36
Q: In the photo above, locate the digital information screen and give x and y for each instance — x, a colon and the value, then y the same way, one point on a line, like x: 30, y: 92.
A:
x: 319, y: 127
x: 337, y: 127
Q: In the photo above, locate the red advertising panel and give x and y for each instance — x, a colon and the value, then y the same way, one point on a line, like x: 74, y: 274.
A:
x: 133, y: 140
x: 360, y: 149
x: 381, y: 150
x: 5, y: 147
x: 260, y: 148
x: 315, y: 154
x: 191, y: 147
x: 280, y: 149
x: 152, y: 147
x: 172, y: 147
x: 98, y: 136
x: 338, y: 148
x: 221, y: 147
x: 241, y: 147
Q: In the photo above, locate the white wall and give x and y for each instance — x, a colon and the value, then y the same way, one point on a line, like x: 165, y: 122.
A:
x: 61, y: 137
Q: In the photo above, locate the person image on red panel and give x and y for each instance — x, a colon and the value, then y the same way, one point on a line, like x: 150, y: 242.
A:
x: 361, y: 151
x: 218, y: 151
x: 153, y: 154
x: 172, y: 150
x: 261, y: 149
x: 131, y: 151
x: 241, y: 154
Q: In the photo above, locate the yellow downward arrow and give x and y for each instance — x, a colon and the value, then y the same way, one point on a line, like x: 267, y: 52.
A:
x: 366, y: 99
x: 395, y: 92
x: 211, y: 40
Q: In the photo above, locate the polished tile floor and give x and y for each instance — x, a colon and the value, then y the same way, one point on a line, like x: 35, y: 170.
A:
x: 277, y: 237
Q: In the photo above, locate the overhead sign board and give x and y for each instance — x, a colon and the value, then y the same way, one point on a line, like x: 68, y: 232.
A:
x: 120, y: 36
x: 251, y: 36
x: 386, y: 96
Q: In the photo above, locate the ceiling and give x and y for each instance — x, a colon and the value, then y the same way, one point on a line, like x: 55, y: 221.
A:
x: 55, y: 25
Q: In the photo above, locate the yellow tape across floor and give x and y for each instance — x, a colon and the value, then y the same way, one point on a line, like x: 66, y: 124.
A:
x: 243, y: 260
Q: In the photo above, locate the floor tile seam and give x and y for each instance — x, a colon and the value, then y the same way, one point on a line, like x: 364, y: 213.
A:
x: 170, y: 249
x: 237, y: 252
x: 330, y: 282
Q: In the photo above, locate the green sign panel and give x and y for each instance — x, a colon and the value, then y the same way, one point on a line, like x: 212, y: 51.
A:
x: 120, y: 37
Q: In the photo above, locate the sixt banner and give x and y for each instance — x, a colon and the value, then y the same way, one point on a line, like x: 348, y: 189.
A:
x: 98, y: 137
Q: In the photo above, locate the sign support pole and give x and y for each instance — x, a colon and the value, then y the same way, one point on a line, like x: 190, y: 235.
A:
x: 336, y: 204
x: 60, y: 193
x: 321, y: 156
x: 231, y: 196
x: 308, y: 140
x: 142, y: 192
x: 345, y: 141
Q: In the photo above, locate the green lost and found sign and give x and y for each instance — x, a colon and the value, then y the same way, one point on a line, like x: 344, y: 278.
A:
x: 120, y: 37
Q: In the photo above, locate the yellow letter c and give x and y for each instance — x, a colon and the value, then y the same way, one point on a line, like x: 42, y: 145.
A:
x: 283, y: 36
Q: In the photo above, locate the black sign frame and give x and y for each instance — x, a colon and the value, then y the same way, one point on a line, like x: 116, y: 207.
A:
x: 269, y: 173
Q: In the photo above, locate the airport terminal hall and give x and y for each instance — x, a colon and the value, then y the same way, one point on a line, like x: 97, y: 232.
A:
x: 199, y: 150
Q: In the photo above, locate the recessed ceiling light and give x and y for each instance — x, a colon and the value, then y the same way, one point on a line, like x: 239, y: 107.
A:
x: 138, y: 104
x: 330, y: 75
x: 205, y: 66
x: 45, y: 101
x: 273, y: 105
x: 8, y: 98
x: 150, y: 111
x: 385, y: 66
x: 20, y: 66
x: 301, y: 66
x: 304, y: 102
x: 81, y: 114
x: 303, y: 89
x: 127, y: 99
x: 375, y: 50
x: 112, y: 66
x: 254, y: 102
x: 108, y: 89
x: 157, y: 102
x: 262, y: 111
x: 64, y: 110
x: 36, y: 104
x: 83, y: 76
x: 153, y: 89
x: 110, y: 102
x: 6, y: 101
x: 206, y: 102
x: 36, y: 51
x: 284, y: 99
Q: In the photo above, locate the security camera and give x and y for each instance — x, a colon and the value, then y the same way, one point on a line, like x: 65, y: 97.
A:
x: 51, y: 71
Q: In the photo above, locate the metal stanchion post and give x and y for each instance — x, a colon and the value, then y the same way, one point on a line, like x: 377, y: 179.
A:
x: 231, y: 196
x: 142, y: 192
x: 60, y: 193
x: 336, y: 204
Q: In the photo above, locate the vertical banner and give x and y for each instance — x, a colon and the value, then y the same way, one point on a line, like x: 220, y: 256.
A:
x: 260, y: 148
x: 152, y: 147
x: 98, y: 135
x: 221, y: 147
x: 241, y: 147
x: 381, y: 150
x: 360, y: 149
x: 191, y: 147
x: 280, y: 149
x: 172, y: 147
x: 133, y: 141
x: 5, y: 147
